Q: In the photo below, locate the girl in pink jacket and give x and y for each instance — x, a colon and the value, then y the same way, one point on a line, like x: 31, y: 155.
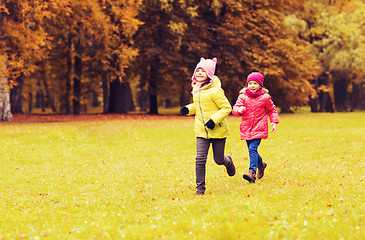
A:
x: 253, y: 105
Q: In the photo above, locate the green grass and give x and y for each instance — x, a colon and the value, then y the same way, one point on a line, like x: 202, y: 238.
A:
x: 135, y: 179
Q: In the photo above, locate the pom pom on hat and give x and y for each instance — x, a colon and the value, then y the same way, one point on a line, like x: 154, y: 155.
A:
x: 257, y: 77
x: 208, y: 65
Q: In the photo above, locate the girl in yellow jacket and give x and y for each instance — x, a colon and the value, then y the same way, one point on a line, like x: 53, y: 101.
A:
x: 211, y: 108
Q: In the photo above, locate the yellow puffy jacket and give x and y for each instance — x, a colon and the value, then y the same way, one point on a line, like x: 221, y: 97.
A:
x: 210, y: 104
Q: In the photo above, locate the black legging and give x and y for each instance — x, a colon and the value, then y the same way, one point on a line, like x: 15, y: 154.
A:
x: 202, y: 148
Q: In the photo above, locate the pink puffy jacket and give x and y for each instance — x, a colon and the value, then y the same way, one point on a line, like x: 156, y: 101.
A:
x: 254, y: 119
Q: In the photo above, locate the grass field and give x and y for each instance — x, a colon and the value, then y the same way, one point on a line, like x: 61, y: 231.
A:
x: 135, y: 179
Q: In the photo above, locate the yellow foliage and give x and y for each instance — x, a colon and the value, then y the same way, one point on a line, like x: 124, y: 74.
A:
x: 3, y: 70
x: 324, y: 88
x: 3, y: 9
x: 178, y: 27
x: 340, y: 32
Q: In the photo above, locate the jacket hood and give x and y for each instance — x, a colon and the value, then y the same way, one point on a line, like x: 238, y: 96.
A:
x: 216, y: 82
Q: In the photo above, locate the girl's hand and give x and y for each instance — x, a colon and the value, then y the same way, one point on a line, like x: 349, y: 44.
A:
x: 210, y: 124
x: 184, y: 111
x: 241, y: 110
x: 273, y: 127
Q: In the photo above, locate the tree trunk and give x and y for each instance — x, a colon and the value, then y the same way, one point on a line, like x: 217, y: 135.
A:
x: 39, y: 97
x: 30, y: 102
x: 49, y: 96
x: 48, y: 92
x: 66, y: 98
x: 121, y: 100
x: 325, y: 101
x: 286, y: 109
x: 142, y: 100
x: 153, y: 85
x: 313, y: 100
x: 362, y: 96
x: 5, y: 107
x: 105, y: 93
x: 115, y: 100
x: 95, y: 98
x: 77, y: 79
x: 16, y: 99
x: 153, y: 104
x: 340, y: 83
x: 127, y: 97
x: 355, y: 96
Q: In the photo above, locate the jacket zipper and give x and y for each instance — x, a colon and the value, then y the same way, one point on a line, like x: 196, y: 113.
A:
x: 201, y: 113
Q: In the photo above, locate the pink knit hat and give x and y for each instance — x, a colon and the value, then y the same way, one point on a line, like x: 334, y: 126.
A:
x: 209, y: 67
x: 257, y: 77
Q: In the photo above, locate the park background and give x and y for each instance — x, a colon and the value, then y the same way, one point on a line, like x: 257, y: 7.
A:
x: 124, y: 56
x: 127, y: 172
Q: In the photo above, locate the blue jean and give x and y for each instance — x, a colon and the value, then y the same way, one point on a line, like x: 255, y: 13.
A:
x: 255, y: 158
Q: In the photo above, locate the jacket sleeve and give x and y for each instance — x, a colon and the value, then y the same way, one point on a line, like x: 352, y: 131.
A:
x: 224, y: 106
x: 239, y: 103
x: 271, y: 111
x: 191, y: 108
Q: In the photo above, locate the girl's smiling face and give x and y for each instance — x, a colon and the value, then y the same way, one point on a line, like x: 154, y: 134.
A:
x: 201, y: 75
x: 253, y: 86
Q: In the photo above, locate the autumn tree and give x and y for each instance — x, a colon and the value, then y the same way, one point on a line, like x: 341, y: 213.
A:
x: 5, y: 113
x: 74, y: 27
x: 74, y: 50
x: 343, y: 46
x: 244, y: 35
x: 21, y: 41
x: 158, y: 42
x: 118, y: 54
x: 335, y: 30
x: 89, y: 47
x: 252, y: 36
